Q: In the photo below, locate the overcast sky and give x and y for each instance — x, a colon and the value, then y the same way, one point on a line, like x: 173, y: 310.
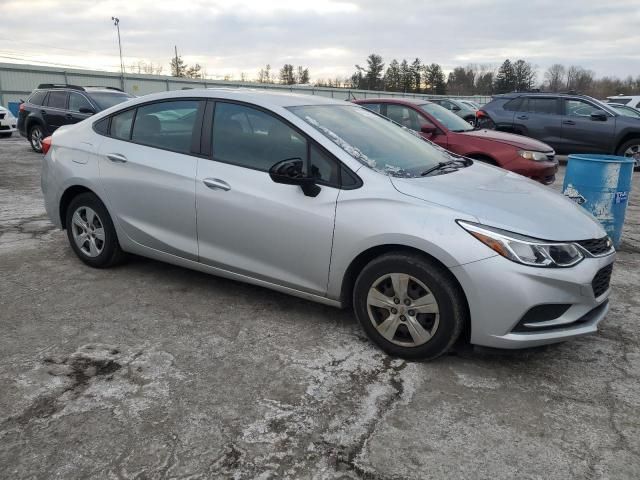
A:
x: 228, y: 37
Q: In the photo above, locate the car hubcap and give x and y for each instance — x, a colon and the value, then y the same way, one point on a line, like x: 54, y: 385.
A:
x: 36, y: 138
x: 634, y: 152
x: 88, y: 231
x: 403, y: 310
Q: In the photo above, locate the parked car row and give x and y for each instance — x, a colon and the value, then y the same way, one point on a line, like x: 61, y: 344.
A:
x: 331, y: 202
x: 569, y: 123
x: 50, y: 106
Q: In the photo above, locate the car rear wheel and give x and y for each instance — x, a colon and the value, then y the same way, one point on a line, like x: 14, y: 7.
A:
x: 91, y: 233
x: 36, y: 135
x: 631, y: 149
x: 409, y: 306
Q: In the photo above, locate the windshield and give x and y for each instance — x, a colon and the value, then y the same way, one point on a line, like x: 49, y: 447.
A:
x: 371, y: 139
x: 445, y: 117
x: 105, y: 100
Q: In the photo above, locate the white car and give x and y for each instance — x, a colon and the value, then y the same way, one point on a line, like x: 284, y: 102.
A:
x: 628, y: 100
x: 8, y: 122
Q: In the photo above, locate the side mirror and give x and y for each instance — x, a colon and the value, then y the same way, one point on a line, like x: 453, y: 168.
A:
x: 88, y: 110
x: 291, y: 172
x: 598, y: 115
x: 429, y: 129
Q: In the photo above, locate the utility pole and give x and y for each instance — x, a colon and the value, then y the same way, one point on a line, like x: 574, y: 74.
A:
x: 116, y: 22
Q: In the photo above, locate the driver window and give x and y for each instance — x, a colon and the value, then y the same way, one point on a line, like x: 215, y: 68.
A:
x: 251, y: 138
x: 579, y: 108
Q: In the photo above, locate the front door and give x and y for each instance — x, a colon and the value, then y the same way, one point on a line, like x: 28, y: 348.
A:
x: 539, y: 117
x: 148, y: 169
x: 583, y: 134
x: 250, y: 225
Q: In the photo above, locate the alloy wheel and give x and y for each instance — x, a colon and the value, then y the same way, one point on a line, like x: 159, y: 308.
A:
x: 403, y: 310
x: 36, y: 137
x: 88, y: 231
x: 633, y: 152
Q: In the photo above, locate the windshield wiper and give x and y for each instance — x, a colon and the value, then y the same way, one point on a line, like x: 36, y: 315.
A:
x: 442, y: 165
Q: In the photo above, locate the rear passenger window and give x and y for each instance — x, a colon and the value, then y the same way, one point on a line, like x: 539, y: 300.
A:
x: 38, y: 97
x: 57, y: 100
x: 251, y: 138
x: 121, y: 125
x: 166, y: 125
x: 539, y: 105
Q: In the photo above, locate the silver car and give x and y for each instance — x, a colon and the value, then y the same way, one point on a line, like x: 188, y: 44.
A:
x: 328, y: 201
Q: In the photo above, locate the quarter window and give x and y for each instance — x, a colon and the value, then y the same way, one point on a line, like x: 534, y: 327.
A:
x: 77, y: 101
x: 57, y: 100
x: 251, y: 138
x: 323, y: 167
x: 121, y: 125
x: 166, y: 125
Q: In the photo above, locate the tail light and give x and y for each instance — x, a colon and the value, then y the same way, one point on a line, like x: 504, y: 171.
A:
x: 21, y: 107
x: 46, y: 145
x: 480, y: 114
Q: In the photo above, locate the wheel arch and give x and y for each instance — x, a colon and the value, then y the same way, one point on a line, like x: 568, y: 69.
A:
x: 627, y: 137
x: 68, y: 195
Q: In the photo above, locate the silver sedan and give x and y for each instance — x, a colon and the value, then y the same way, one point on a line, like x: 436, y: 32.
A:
x: 328, y: 201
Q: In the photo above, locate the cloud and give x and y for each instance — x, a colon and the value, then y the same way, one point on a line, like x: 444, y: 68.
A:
x: 329, y: 36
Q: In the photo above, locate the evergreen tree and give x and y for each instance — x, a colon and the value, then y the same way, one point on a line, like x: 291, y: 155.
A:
x: 178, y: 67
x: 406, y: 77
x: 524, y: 75
x: 392, y: 76
x: 375, y: 67
x: 416, y: 70
x: 287, y: 76
x: 505, y: 79
x: 434, y: 79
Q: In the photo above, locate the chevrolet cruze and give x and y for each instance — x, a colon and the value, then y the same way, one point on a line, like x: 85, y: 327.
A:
x: 331, y: 202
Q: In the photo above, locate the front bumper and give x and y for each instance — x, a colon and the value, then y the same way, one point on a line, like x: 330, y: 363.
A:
x: 8, y: 124
x: 500, y: 293
x: 543, y: 172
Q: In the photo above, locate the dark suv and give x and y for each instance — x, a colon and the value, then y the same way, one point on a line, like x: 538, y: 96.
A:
x: 570, y: 123
x: 51, y: 106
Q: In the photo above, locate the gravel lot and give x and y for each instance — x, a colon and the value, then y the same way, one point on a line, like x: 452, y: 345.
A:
x: 152, y: 371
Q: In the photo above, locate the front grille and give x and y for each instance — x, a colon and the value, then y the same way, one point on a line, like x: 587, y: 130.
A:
x: 5, y: 127
x: 551, y: 156
x: 600, y: 282
x: 597, y: 246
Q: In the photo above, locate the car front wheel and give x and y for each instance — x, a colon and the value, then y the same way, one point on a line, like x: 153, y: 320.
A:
x: 631, y: 149
x: 36, y: 135
x: 409, y: 305
x: 91, y: 232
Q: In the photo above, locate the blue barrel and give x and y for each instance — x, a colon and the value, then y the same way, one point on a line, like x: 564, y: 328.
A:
x: 601, y: 184
x: 13, y: 107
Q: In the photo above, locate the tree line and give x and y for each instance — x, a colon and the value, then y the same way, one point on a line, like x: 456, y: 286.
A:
x: 421, y: 77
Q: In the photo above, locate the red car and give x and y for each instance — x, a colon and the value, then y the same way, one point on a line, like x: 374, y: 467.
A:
x: 516, y: 153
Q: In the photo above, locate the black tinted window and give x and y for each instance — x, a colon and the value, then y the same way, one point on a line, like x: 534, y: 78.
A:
x: 57, y: 99
x: 251, y: 138
x: 102, y: 126
x: 539, y: 105
x: 38, y: 97
x: 77, y: 101
x: 167, y: 125
x: 121, y: 125
x: 105, y: 100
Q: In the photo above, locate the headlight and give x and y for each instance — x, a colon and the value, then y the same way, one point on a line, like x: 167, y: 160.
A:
x: 525, y: 250
x: 529, y: 155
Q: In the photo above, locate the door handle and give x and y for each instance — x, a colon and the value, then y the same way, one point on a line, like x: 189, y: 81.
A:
x: 568, y: 122
x: 523, y: 117
x: 69, y: 116
x: 216, y: 184
x: 117, y: 158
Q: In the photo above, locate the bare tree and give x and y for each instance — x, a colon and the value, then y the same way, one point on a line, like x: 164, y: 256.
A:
x: 554, y: 77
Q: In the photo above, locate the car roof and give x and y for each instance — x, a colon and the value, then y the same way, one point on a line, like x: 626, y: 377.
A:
x: 406, y: 101
x: 623, y: 97
x: 250, y: 95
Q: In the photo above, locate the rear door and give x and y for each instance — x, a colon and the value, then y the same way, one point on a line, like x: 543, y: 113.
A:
x: 539, y: 117
x: 148, y: 167
x: 250, y: 225
x: 55, y: 111
x: 583, y: 134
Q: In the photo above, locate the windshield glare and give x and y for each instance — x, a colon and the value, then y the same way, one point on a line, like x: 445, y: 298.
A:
x: 445, y: 117
x: 371, y: 139
x: 105, y: 100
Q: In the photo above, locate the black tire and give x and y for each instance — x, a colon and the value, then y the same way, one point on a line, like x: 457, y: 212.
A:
x: 36, y: 131
x: 470, y: 120
x: 450, y: 301
x: 111, y: 254
x: 634, y: 142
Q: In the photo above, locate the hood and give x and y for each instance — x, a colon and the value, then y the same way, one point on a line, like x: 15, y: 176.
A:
x: 510, y: 139
x: 505, y: 200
